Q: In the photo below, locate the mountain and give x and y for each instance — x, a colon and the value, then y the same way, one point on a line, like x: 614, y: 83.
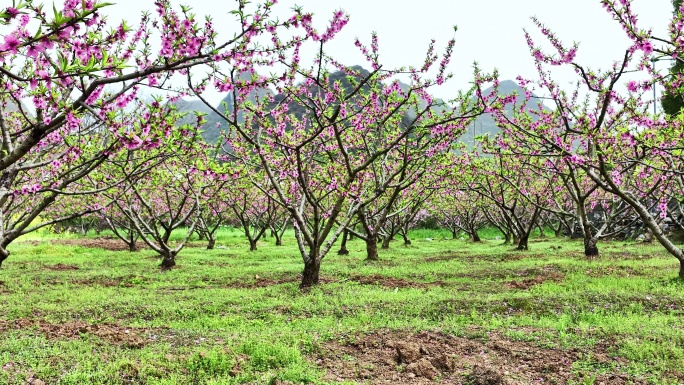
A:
x: 215, y: 125
x: 485, y: 123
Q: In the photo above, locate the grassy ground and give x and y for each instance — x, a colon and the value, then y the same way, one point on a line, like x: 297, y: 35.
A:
x: 439, y: 311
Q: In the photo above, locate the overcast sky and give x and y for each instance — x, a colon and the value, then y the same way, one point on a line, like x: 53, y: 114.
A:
x: 489, y: 31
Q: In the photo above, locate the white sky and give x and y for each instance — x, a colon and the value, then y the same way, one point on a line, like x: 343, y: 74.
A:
x: 489, y: 31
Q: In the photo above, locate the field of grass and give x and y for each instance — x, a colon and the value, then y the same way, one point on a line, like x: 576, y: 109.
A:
x: 439, y: 311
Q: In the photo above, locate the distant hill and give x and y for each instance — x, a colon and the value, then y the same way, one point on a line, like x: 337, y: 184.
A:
x: 215, y: 124
x: 485, y: 123
x: 11, y: 106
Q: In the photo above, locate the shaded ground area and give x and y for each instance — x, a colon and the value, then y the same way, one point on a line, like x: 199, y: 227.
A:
x: 123, y: 281
x: 62, y: 267
x: 535, y: 277
x: 387, y: 357
x: 112, y: 243
x: 392, y: 282
x: 105, y: 243
x: 115, y: 334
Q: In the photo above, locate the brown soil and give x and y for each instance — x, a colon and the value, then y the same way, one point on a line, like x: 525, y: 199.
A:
x: 529, y: 282
x: 107, y: 243
x: 249, y: 283
x: 124, y: 281
x: 445, y: 257
x: 62, y: 267
x: 613, y: 271
x: 536, y: 277
x: 129, y: 337
x: 391, y: 282
x: 264, y: 282
x: 258, y: 282
x: 387, y: 357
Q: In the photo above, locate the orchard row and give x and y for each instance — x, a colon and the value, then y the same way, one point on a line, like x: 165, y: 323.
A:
x: 332, y: 151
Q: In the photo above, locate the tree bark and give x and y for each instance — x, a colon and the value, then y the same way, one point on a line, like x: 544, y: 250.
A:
x: 211, y: 243
x: 542, y: 234
x: 681, y: 269
x: 372, y: 248
x: 4, y: 253
x: 590, y: 247
x: 507, y: 238
x: 522, y: 242
x: 133, y: 247
x: 168, y: 260
x: 310, y: 274
x: 343, y: 246
x: 476, y: 236
x: 652, y: 224
x: 252, y: 245
x: 407, y: 241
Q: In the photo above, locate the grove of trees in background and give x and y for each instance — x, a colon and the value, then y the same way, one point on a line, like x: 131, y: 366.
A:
x: 330, y: 150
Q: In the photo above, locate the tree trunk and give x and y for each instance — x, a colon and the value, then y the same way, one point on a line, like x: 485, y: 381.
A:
x: 681, y: 269
x: 476, y: 236
x: 407, y: 241
x: 507, y: 238
x: 211, y: 243
x: 372, y: 247
x: 590, y: 248
x: 522, y: 242
x: 252, y: 245
x: 310, y: 273
x: 343, y: 246
x: 132, y: 241
x: 279, y: 240
x: 516, y: 239
x: 4, y: 253
x: 648, y: 236
x: 168, y: 260
x: 541, y: 231
x: 386, y: 243
x: 454, y: 234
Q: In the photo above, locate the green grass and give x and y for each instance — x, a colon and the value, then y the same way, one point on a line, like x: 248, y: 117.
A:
x: 206, y: 322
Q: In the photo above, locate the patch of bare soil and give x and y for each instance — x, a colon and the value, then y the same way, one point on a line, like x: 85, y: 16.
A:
x: 391, y: 282
x: 258, y: 282
x: 613, y: 271
x: 125, y: 281
x: 115, y: 334
x: 626, y: 255
x: 446, y: 257
x: 106, y: 243
x: 62, y: 267
x: 535, y: 277
x: 387, y: 357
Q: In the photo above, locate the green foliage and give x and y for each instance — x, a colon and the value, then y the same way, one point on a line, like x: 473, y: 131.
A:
x: 673, y: 102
